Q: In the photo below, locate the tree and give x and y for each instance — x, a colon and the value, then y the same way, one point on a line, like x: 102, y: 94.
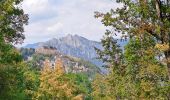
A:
x: 59, y: 67
x: 147, y: 75
x: 17, y: 81
x: 101, y: 88
x: 12, y: 20
x: 146, y: 23
x: 54, y: 84
x: 82, y: 85
x: 46, y: 74
x: 61, y: 84
x: 10, y: 83
x: 136, y: 18
x: 30, y: 81
x: 112, y: 56
x: 111, y: 53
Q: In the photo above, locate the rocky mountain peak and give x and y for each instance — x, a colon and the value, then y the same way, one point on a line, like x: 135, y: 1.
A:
x: 74, y: 45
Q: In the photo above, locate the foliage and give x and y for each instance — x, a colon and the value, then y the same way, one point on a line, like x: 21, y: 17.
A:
x: 27, y: 52
x: 147, y: 74
x: 54, y: 84
x: 82, y: 84
x: 111, y: 52
x: 17, y: 82
x: 9, y: 82
x: 12, y: 20
x: 142, y: 17
x: 101, y: 88
x: 138, y: 73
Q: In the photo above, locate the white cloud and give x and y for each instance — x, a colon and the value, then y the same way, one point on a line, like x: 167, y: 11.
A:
x: 35, y: 6
x: 55, y: 27
x: 54, y: 18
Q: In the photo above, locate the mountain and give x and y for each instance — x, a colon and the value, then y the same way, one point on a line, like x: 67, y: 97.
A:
x: 74, y: 45
x: 32, y: 45
x: 35, y: 58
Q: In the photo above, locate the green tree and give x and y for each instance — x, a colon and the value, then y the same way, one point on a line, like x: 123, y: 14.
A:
x: 12, y: 20
x: 29, y: 80
x: 17, y: 82
x: 9, y: 83
x: 101, y: 88
x: 82, y: 85
x: 140, y: 75
x: 142, y: 17
x: 111, y: 52
x: 146, y: 74
x: 112, y: 56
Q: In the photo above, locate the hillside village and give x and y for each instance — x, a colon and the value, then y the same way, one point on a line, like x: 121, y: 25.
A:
x: 70, y: 65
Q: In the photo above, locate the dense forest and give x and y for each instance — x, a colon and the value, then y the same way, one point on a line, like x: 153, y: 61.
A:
x: 140, y: 71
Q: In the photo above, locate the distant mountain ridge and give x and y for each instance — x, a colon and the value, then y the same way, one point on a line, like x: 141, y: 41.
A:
x: 73, y: 45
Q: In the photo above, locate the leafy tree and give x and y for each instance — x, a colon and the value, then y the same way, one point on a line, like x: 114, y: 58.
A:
x: 17, y: 82
x: 145, y: 72
x: 12, y: 20
x: 82, y: 85
x: 44, y: 85
x: 136, y: 18
x: 54, y: 84
x: 138, y: 74
x: 111, y: 52
x: 112, y: 56
x: 29, y: 81
x: 101, y: 88
x: 9, y: 83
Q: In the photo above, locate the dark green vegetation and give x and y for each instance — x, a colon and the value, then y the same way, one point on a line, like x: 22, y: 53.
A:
x: 139, y: 72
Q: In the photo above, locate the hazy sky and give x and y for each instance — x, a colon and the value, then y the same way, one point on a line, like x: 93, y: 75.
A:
x: 56, y: 18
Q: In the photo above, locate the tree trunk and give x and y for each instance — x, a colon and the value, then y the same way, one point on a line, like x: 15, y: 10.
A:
x: 157, y: 4
x: 167, y: 55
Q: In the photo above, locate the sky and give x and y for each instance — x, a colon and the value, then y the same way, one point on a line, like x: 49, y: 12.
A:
x: 57, y: 18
